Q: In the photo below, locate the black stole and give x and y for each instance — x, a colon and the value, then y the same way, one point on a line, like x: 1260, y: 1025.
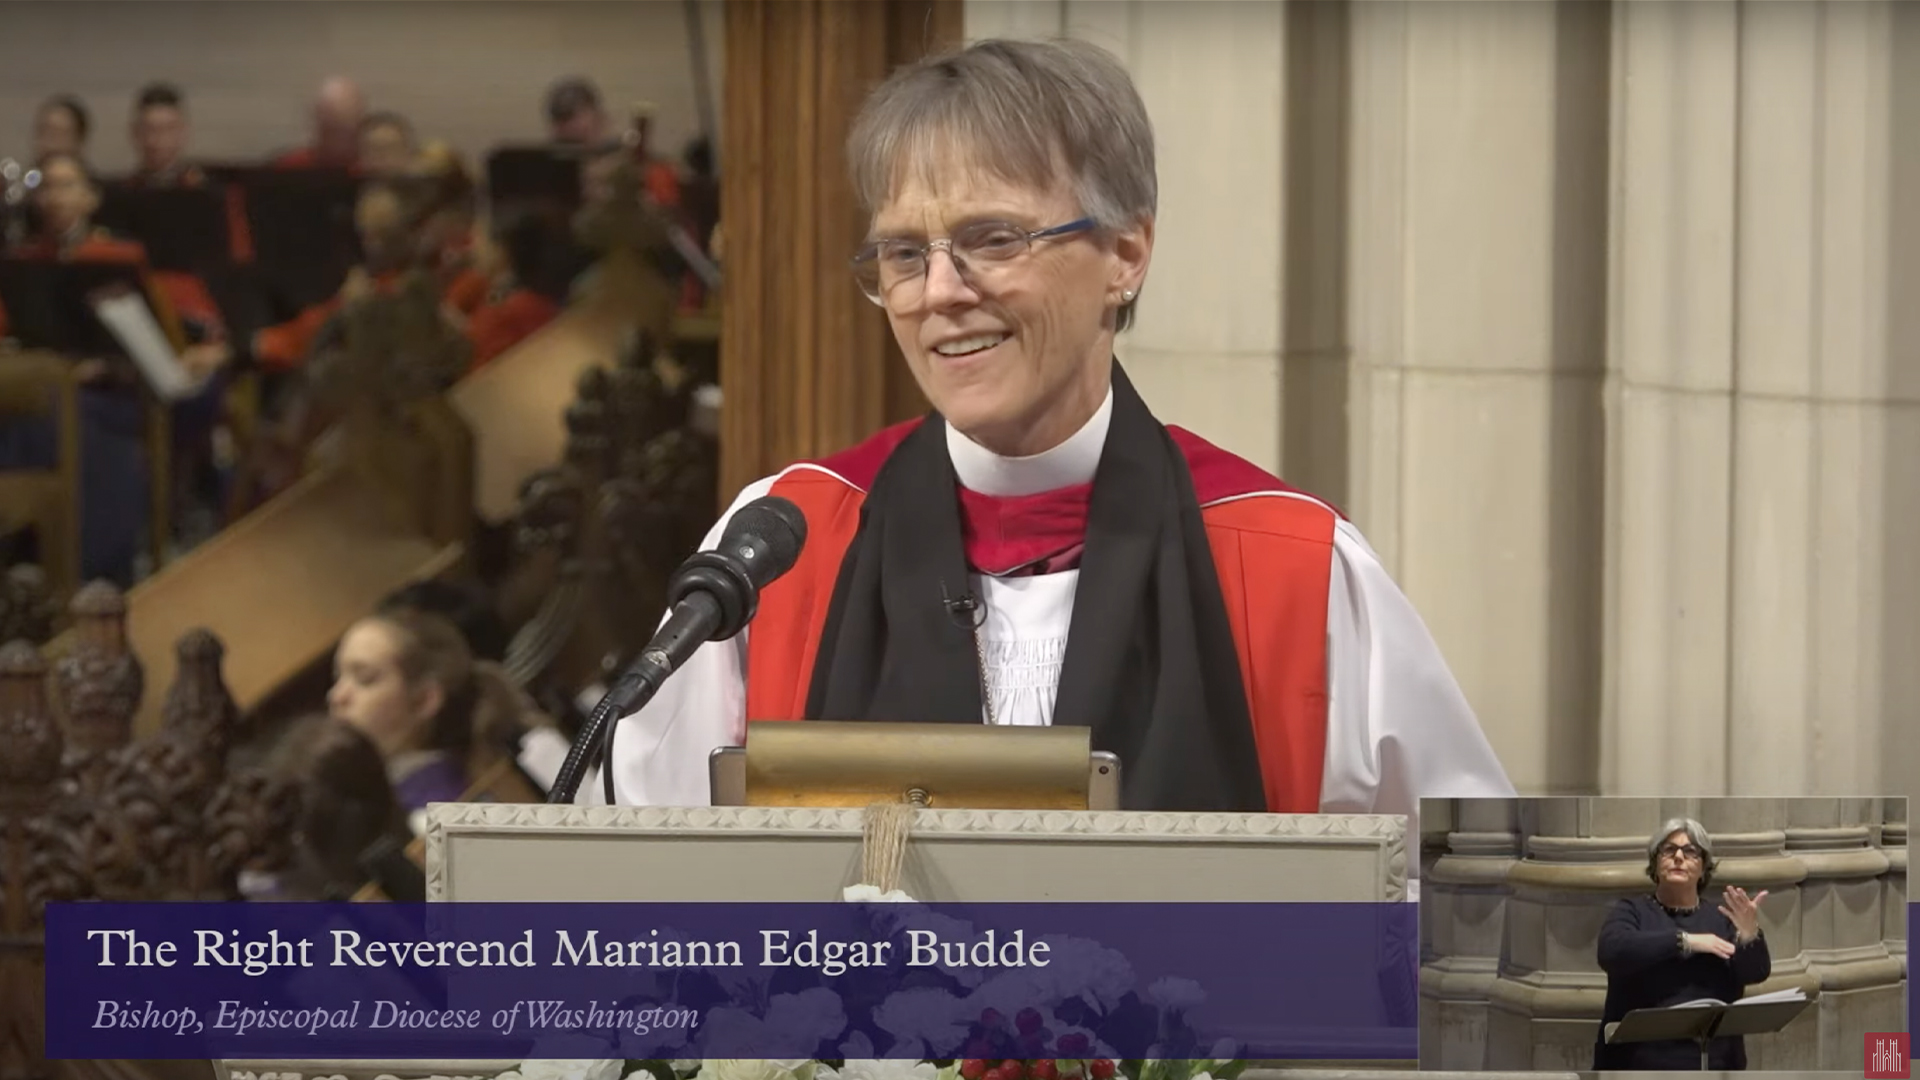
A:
x: 1151, y: 663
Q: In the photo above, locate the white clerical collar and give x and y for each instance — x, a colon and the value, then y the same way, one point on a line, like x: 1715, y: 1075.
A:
x: 1072, y: 462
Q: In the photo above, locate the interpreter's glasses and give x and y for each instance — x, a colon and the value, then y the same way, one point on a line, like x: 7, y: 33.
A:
x: 896, y: 270
x: 1689, y: 852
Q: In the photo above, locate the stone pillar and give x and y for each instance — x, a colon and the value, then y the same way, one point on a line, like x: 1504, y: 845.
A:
x: 1759, y: 412
x: 1893, y: 844
x: 1475, y: 301
x: 1204, y: 349
x: 1843, y: 928
x: 1750, y: 846
x: 1580, y: 856
x: 1463, y: 908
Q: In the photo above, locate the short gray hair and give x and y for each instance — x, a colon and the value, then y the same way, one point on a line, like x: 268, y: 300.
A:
x: 1696, y: 835
x: 1025, y: 111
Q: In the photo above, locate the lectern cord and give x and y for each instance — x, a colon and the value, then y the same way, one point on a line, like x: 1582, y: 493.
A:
x: 884, y: 844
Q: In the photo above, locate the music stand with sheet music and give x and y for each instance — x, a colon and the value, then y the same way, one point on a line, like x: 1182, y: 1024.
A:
x: 49, y: 304
x: 93, y: 311
x: 185, y: 230
x: 1704, y: 1022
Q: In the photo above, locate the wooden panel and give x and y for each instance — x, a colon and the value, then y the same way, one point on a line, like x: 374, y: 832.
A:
x: 278, y: 587
x: 808, y: 364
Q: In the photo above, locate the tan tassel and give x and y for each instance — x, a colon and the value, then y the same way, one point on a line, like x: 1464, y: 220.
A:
x: 883, y: 845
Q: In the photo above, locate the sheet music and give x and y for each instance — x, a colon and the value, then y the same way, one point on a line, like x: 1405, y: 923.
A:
x: 134, y: 327
x: 1793, y: 993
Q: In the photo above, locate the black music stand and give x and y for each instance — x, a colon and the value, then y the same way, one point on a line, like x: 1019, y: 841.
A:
x: 1704, y: 1022
x: 183, y: 228
x: 49, y: 304
x: 301, y: 226
x: 543, y: 178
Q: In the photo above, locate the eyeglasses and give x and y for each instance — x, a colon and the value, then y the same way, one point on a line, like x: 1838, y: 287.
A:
x: 1688, y: 852
x: 897, y: 269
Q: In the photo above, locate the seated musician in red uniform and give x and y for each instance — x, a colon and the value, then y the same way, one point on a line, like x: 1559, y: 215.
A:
x: 522, y: 259
x: 338, y: 110
x: 385, y: 145
x: 159, y: 134
x: 60, y: 126
x: 575, y: 116
x: 114, y: 470
x: 65, y: 203
x: 1040, y: 549
x: 448, y: 226
x: 404, y: 223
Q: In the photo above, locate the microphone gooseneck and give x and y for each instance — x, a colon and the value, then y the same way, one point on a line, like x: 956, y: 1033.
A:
x: 711, y: 597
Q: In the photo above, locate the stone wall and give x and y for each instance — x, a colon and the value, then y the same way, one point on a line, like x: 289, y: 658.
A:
x: 1515, y: 893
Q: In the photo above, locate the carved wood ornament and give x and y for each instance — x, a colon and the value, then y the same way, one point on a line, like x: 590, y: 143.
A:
x: 87, y: 813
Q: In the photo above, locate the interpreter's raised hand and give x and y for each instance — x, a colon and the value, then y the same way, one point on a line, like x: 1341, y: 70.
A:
x: 1744, y: 910
x: 1710, y: 944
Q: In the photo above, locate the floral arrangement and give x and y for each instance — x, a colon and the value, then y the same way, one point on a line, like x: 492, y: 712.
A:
x: 1081, y: 1016
x: 902, y: 1069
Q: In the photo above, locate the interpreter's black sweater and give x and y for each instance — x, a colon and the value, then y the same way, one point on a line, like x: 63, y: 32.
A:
x: 1640, y: 952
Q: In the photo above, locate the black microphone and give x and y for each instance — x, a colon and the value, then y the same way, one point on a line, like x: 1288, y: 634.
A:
x: 966, y: 610
x: 711, y: 597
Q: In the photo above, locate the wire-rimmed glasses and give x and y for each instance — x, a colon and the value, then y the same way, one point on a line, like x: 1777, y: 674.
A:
x: 897, y: 269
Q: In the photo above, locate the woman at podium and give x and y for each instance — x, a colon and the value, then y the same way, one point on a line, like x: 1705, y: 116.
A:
x: 1234, y: 641
x: 1670, y: 948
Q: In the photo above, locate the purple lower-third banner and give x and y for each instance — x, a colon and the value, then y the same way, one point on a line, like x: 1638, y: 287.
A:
x: 672, y: 981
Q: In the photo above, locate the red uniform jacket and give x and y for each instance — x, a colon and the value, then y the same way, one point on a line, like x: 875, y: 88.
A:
x: 185, y: 294
x: 497, y: 327
x: 285, y: 347
x: 1272, y: 548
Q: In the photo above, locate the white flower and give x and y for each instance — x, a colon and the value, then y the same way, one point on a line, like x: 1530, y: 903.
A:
x: 895, y: 922
x: 1083, y: 968
x: 920, y: 1016
x: 856, y: 1046
x: 1176, y: 995
x: 799, y: 1019
x: 1010, y: 991
x: 871, y: 894
x: 756, y: 1069
x: 881, y: 1070
x: 548, y: 1069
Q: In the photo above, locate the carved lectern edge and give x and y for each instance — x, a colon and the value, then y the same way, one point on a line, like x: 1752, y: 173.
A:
x: 449, y: 819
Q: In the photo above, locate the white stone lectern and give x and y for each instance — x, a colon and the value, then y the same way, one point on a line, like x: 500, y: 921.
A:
x: 519, y: 853
x: 537, y: 853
